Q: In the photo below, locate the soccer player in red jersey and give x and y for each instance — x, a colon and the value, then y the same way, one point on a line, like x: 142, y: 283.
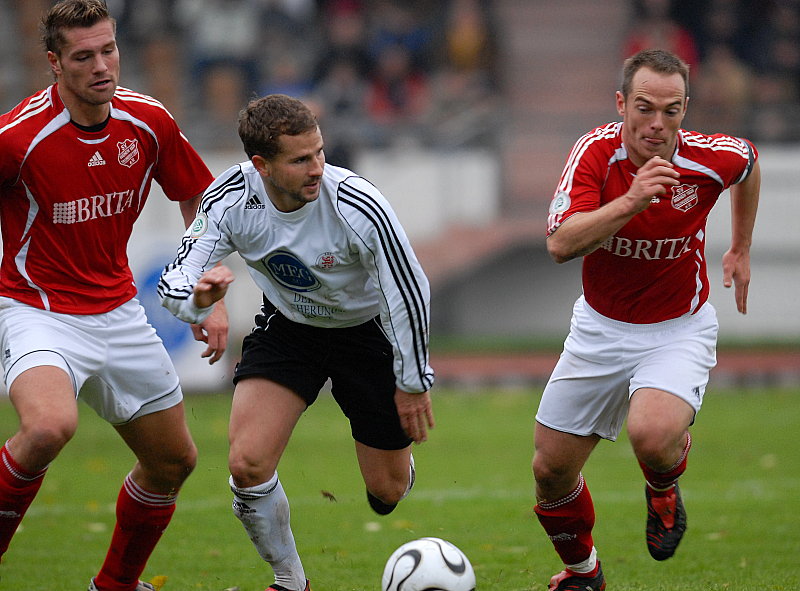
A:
x: 77, y: 160
x: 633, y: 201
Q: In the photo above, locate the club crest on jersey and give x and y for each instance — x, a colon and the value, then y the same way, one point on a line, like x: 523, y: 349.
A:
x: 290, y: 271
x: 128, y: 152
x: 684, y: 197
x: 560, y: 202
x: 327, y: 260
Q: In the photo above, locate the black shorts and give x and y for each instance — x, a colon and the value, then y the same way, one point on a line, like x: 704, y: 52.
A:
x: 358, y: 360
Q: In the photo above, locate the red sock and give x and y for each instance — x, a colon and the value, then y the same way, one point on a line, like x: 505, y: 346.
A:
x: 141, y: 519
x: 18, y: 488
x: 661, y: 482
x: 568, y: 523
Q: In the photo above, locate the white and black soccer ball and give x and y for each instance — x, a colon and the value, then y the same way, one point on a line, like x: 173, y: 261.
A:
x: 428, y: 564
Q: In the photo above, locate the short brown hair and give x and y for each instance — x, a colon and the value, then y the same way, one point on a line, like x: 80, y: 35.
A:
x: 70, y: 14
x: 266, y: 118
x: 658, y: 60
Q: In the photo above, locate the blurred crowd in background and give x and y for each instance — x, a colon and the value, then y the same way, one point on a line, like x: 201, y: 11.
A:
x: 744, y: 57
x: 383, y: 73
x: 378, y: 72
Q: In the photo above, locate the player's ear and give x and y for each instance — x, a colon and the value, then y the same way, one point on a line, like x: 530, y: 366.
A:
x: 55, y: 63
x: 620, y: 103
x: 262, y: 165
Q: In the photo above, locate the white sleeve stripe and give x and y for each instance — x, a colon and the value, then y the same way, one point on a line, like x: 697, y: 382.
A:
x: 402, y: 272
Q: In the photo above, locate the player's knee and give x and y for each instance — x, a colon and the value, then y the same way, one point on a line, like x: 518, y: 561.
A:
x: 552, y: 480
x: 43, y: 442
x: 655, y: 446
x: 171, y: 471
x: 388, y: 489
x: 247, y: 472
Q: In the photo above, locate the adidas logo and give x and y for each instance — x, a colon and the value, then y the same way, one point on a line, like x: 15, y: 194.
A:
x: 96, y: 160
x: 254, y: 203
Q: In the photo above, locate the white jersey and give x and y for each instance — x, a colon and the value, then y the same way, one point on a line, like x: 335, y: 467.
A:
x: 336, y: 262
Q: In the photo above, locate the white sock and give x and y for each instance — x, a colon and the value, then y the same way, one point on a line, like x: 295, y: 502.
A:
x: 587, y: 565
x: 264, y: 512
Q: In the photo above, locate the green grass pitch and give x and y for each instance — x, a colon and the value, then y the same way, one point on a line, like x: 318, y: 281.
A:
x: 474, y: 488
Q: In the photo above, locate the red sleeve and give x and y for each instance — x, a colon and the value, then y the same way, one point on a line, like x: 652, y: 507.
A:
x: 180, y: 171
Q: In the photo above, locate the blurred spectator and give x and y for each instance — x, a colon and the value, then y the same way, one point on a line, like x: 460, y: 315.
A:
x: 344, y: 122
x: 398, y: 94
x: 34, y: 72
x: 776, y: 109
x: 149, y: 30
x: 722, y: 96
x: 463, y: 91
x: 468, y: 36
x: 225, y: 49
x: 344, y: 38
x: 654, y: 27
x: 401, y: 23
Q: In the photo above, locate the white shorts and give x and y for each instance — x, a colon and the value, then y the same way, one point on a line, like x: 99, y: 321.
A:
x: 605, y: 361
x: 117, y: 355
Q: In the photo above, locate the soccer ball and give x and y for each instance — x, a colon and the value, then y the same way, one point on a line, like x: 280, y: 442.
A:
x: 428, y: 564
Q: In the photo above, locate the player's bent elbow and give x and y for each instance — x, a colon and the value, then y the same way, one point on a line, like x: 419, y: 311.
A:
x: 557, y: 252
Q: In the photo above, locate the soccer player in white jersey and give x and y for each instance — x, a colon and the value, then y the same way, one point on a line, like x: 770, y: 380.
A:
x: 633, y: 201
x: 76, y: 164
x: 344, y: 298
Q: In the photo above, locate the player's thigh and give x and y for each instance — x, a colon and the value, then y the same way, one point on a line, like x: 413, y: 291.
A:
x: 363, y: 384
x: 44, y: 400
x: 163, y: 447
x: 585, y: 397
x: 263, y: 416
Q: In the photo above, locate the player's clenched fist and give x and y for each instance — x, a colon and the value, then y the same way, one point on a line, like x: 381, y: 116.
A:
x: 652, y: 179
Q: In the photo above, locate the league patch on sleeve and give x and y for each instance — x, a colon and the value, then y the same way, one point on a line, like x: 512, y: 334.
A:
x: 199, y: 225
x: 560, y: 202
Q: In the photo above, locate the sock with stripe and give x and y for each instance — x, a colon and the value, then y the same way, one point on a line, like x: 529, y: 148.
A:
x: 142, y: 517
x: 661, y: 483
x: 568, y: 522
x: 18, y: 487
x: 264, y: 512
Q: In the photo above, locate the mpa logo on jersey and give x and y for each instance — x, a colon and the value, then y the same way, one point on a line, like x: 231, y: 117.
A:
x: 290, y: 272
x: 684, y: 197
x: 128, y: 152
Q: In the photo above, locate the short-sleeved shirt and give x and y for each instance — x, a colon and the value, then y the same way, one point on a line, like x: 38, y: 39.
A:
x: 654, y: 268
x: 69, y: 197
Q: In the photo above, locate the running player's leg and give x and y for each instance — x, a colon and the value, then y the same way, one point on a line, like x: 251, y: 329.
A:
x: 44, y: 399
x: 388, y: 475
x: 564, y: 506
x: 263, y: 416
x: 658, y: 425
x: 166, y: 455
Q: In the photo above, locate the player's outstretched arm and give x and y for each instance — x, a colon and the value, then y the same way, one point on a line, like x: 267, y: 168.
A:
x: 736, y: 261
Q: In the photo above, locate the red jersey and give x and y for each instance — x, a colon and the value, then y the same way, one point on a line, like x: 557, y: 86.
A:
x: 69, y: 197
x: 654, y: 267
